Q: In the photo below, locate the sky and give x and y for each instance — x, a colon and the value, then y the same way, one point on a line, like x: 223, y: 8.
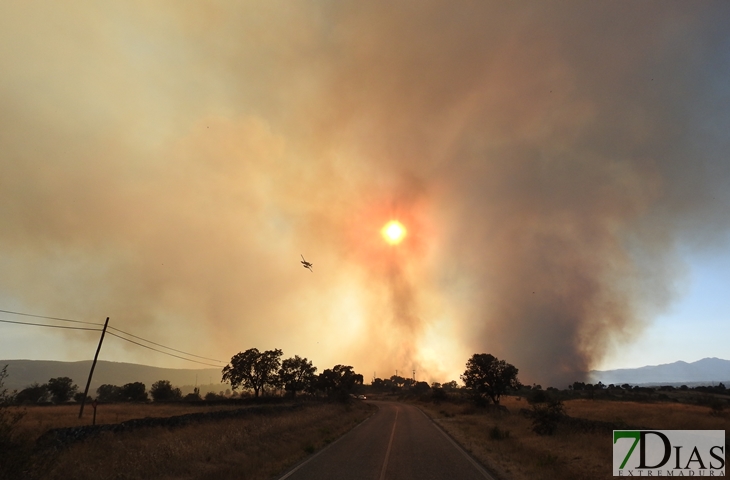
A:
x: 560, y: 169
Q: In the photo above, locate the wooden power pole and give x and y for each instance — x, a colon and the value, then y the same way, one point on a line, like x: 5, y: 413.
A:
x: 91, y: 373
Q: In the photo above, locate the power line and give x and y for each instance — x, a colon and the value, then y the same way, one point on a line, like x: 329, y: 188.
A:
x: 163, y: 346
x: 160, y: 351
x: 52, y: 326
x: 99, y: 329
x: 50, y: 318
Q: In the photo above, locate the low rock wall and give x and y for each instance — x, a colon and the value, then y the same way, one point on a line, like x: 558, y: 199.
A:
x: 586, y: 425
x: 60, y: 437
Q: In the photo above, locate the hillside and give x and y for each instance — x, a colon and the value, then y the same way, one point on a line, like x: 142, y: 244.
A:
x: 705, y: 371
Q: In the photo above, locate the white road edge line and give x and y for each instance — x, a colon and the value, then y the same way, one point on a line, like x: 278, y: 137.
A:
x: 291, y: 472
x: 476, y: 464
x: 390, y: 444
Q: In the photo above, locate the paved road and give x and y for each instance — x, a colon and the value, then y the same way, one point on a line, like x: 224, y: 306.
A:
x: 398, y: 442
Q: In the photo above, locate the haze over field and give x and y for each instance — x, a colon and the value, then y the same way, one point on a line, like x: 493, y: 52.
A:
x: 166, y: 164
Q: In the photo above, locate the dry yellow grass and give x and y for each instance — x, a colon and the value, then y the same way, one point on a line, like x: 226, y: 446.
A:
x: 568, y: 454
x: 666, y: 416
x: 38, y: 420
x: 254, y: 447
x: 265, y: 445
x: 523, y: 455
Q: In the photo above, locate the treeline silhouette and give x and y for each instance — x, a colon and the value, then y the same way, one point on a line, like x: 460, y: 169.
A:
x: 251, y: 373
x: 62, y: 390
x: 256, y: 374
x: 256, y: 371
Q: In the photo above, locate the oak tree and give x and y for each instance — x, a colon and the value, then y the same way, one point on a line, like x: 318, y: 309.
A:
x: 338, y: 381
x: 134, y: 392
x: 488, y: 376
x: 62, y: 389
x: 296, y: 374
x: 253, y: 369
x: 163, y: 391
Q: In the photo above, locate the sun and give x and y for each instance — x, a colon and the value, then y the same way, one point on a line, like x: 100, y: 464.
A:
x: 393, y: 232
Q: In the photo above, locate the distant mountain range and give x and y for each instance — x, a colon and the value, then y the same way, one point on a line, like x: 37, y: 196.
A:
x: 705, y: 371
x: 22, y: 373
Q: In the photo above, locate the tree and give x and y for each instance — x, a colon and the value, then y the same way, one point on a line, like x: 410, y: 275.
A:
x: 211, y: 396
x: 62, y: 389
x: 162, y: 391
x: 438, y: 394
x: 398, y: 381
x: 253, y: 369
x: 35, y: 393
x: 488, y: 376
x: 450, y: 386
x: 338, y: 381
x: 134, y: 392
x: 296, y: 374
x: 420, y: 388
x: 79, y: 397
x: 193, y: 397
x: 109, y: 393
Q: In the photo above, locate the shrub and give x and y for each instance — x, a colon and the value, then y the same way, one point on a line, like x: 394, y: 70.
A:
x: 79, y: 397
x: 13, y: 456
x: 716, y: 407
x: 498, y: 434
x: 547, y: 460
x: 8, y: 417
x: 439, y: 395
x: 537, y: 396
x: 546, y: 416
x: 193, y: 397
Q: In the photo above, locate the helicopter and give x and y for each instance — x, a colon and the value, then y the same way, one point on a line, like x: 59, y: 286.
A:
x: 306, y: 264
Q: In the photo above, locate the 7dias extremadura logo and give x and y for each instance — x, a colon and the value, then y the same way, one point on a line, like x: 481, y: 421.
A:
x: 668, y: 453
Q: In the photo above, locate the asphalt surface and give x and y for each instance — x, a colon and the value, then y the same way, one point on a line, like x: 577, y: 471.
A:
x: 398, y: 442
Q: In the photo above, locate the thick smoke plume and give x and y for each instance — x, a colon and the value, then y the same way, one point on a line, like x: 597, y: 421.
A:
x: 167, y: 165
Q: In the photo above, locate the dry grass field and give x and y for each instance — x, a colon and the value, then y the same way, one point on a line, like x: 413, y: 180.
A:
x: 252, y: 447
x: 667, y: 416
x: 38, y: 420
x: 521, y: 454
x: 262, y: 446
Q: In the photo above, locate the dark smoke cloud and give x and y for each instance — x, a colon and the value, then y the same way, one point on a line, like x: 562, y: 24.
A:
x: 166, y: 165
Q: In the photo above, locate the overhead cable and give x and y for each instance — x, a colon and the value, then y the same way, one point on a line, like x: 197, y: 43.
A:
x: 110, y: 333
x: 52, y: 326
x: 160, y: 345
x: 160, y: 351
x: 50, y: 318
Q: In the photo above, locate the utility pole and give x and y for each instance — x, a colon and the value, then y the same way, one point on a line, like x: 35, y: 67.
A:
x: 91, y: 373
